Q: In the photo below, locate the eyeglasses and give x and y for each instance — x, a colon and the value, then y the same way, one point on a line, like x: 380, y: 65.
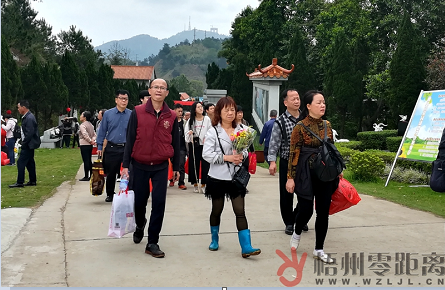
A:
x: 123, y: 99
x: 158, y: 88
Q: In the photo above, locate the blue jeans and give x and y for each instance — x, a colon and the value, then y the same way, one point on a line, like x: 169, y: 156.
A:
x: 11, y: 155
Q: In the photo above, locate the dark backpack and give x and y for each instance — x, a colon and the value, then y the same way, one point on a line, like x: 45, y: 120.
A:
x: 17, y: 132
x: 328, y: 164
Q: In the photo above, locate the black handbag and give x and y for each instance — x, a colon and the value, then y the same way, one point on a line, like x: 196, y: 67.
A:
x: 437, y: 179
x: 241, y: 177
x: 328, y: 163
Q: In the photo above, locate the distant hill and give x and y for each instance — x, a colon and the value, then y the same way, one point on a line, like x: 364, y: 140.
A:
x: 144, y: 45
x: 188, y: 59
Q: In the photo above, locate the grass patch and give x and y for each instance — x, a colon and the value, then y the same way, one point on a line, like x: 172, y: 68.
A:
x: 421, y: 198
x: 53, y: 166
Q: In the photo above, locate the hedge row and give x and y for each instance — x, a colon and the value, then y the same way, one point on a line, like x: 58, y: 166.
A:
x: 375, y: 139
x: 388, y: 158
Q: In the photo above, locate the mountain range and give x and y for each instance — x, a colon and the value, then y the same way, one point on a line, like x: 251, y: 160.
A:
x: 142, y: 46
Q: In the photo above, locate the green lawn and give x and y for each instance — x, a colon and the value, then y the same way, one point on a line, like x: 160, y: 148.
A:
x: 53, y: 167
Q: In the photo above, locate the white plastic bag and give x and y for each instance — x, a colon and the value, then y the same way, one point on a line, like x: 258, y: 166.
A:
x: 122, y: 220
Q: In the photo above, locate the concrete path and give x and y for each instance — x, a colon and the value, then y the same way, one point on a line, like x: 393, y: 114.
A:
x: 64, y: 243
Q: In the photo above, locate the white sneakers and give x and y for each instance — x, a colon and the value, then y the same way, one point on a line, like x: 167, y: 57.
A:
x: 294, y: 241
x: 320, y: 255
x: 195, y: 188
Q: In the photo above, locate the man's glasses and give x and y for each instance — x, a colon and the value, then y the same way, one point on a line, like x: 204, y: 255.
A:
x: 123, y: 99
x: 158, y: 88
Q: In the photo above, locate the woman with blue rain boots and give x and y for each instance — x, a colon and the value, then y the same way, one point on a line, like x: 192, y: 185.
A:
x: 218, y: 152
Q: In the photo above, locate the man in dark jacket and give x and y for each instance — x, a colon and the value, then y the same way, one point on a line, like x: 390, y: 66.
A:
x: 30, y: 141
x: 152, y: 139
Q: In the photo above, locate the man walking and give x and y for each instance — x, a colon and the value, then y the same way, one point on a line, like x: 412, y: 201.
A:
x: 30, y: 142
x: 266, y: 132
x: 280, y: 141
x: 113, y: 127
x: 155, y: 124
x: 182, y: 147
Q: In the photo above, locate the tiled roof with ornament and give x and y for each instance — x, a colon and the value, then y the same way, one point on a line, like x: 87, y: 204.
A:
x: 130, y: 72
x: 271, y: 71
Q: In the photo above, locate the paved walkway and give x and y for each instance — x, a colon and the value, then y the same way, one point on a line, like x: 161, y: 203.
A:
x: 64, y: 243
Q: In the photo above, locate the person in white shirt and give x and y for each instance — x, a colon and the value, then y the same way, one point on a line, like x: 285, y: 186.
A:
x: 9, y: 128
x: 195, y: 131
x: 219, y: 153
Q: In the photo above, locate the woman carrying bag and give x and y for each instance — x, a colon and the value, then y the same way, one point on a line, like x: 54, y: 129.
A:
x: 87, y: 138
x: 195, y: 131
x: 302, y: 180
x: 218, y: 151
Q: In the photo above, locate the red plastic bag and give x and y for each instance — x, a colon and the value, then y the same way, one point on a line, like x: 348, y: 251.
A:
x: 186, y: 168
x: 170, y: 170
x: 344, y: 197
x: 252, y: 162
x: 5, y: 159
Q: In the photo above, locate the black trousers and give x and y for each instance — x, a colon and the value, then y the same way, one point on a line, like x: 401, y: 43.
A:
x: 141, y: 187
x: 322, y: 193
x: 112, y: 159
x: 286, y: 199
x: 66, y: 141
x: 194, y: 163
x: 85, y: 152
x: 183, y: 155
x: 76, y: 140
x: 26, y: 159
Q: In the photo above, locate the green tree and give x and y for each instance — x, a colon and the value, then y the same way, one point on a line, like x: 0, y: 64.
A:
x: 73, y: 80
x: 435, y: 69
x: 406, y: 70
x: 79, y: 46
x: 211, y: 74
x: 12, y: 89
x: 341, y: 84
x: 24, y: 33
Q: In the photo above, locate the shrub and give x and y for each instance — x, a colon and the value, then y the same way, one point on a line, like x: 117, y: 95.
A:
x: 393, y: 143
x: 406, y: 175
x: 355, y: 145
x: 375, y: 139
x: 346, y: 153
x: 366, y: 166
x: 388, y: 158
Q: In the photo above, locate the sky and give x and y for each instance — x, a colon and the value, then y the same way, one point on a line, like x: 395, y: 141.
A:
x: 107, y: 20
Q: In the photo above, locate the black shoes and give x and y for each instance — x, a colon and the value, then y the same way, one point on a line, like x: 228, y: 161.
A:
x: 138, y: 234
x: 16, y: 185
x: 153, y: 249
x: 305, y: 228
x: 84, y: 179
x: 31, y: 183
x: 289, y: 229
x: 109, y: 199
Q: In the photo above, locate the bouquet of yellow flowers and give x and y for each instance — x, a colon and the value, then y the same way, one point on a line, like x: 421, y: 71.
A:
x: 242, y: 139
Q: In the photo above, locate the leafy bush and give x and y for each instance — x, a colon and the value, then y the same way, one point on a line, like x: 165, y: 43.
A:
x: 406, y: 175
x: 375, y: 139
x: 393, y: 143
x: 388, y: 158
x: 366, y: 166
x: 346, y: 152
x: 355, y: 145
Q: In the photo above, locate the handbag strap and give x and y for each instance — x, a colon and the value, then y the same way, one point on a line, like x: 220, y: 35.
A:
x: 325, y: 131
x: 220, y: 146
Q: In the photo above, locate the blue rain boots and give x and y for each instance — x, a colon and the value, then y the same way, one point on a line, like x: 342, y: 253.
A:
x: 246, y: 247
x: 214, y: 244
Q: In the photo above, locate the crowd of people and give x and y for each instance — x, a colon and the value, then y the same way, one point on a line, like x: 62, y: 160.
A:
x: 145, y: 140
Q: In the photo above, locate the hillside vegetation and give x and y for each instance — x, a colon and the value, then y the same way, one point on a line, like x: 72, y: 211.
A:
x: 188, y: 59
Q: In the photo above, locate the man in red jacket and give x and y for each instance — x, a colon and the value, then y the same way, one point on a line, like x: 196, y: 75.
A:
x: 152, y: 139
